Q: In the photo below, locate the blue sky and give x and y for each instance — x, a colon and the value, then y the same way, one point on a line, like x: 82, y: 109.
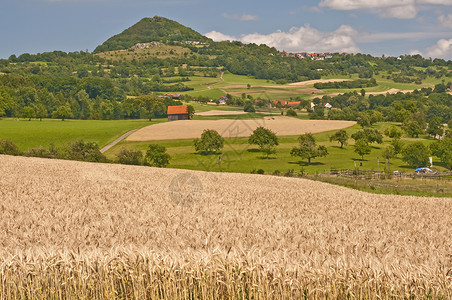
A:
x: 389, y: 27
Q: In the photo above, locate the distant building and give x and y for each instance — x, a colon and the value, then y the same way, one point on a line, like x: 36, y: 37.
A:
x: 178, y: 112
x: 223, y: 100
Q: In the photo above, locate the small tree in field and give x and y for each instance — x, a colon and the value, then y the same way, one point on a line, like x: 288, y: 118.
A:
x: 28, y: 112
x: 362, y: 148
x: 265, y: 139
x: 62, y: 112
x: 341, y: 136
x: 156, y: 156
x: 210, y: 142
x: 308, y: 148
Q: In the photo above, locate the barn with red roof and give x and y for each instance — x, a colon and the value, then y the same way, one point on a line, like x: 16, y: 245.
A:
x: 178, y: 112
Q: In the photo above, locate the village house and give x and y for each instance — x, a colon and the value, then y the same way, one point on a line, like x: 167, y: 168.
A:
x: 178, y: 112
x: 223, y: 100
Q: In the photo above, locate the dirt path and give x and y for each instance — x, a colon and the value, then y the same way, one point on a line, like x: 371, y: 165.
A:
x: 112, y: 144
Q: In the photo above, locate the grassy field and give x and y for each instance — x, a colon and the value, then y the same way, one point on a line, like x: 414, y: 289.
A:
x: 74, y: 230
x: 267, y: 89
x: 30, y: 134
x: 239, y: 156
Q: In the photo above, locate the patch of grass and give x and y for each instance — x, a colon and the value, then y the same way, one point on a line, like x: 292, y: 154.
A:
x: 30, y: 134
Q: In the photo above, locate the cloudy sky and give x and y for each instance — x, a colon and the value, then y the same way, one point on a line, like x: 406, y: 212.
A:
x: 389, y: 27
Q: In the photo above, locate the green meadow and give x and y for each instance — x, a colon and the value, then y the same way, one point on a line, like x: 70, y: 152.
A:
x: 30, y: 134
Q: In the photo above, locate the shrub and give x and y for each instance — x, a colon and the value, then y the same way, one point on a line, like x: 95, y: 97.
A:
x: 84, y: 151
x: 156, y: 156
x: 291, y: 113
x: 130, y: 157
x: 52, y: 152
x: 8, y: 147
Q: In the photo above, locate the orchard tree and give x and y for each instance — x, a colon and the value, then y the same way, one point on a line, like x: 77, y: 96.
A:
x: 393, y: 132
x: 156, y: 156
x: 370, y: 135
x: 265, y: 139
x: 340, y: 136
x: 416, y: 155
x: 308, y: 149
x: 443, y: 150
x: 435, y: 127
x: 210, y: 142
x: 362, y: 147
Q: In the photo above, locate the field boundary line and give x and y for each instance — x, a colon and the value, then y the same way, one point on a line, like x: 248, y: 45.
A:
x: 112, y: 144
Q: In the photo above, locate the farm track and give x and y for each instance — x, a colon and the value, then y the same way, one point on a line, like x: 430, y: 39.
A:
x: 115, y: 142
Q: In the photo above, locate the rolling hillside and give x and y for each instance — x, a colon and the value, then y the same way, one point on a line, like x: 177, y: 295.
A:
x: 156, y: 29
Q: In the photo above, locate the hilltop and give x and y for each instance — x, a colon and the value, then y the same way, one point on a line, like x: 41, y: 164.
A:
x: 156, y: 29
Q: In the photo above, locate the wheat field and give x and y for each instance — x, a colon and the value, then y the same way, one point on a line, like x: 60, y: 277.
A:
x: 232, y: 128
x: 75, y: 230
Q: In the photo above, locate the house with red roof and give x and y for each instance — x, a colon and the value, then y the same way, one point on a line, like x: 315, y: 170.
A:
x: 178, y: 112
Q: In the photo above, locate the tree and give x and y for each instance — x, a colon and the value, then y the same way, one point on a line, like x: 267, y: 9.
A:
x: 151, y: 104
x: 340, y: 136
x: 28, y: 112
x: 62, y: 112
x: 369, y: 117
x: 191, y: 111
x: 308, y: 148
x: 40, y: 111
x: 393, y: 132
x: 249, y: 107
x: 435, y: 127
x: 396, y: 146
x: 156, y: 156
x: 416, y: 155
x: 210, y: 142
x: 265, y: 139
x: 362, y: 147
x: 443, y: 150
x: 370, y: 135
x: 6, y: 102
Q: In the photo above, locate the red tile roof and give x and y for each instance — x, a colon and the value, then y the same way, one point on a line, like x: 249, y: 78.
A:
x: 177, y: 110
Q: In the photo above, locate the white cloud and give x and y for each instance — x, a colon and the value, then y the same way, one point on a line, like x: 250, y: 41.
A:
x: 301, y: 39
x: 244, y: 17
x: 218, y: 36
x: 442, y: 49
x: 390, y: 36
x: 401, y: 9
x: 445, y: 21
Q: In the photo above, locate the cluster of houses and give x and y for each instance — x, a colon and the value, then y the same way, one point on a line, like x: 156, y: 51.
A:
x: 194, y: 43
x: 303, y: 55
x: 144, y: 45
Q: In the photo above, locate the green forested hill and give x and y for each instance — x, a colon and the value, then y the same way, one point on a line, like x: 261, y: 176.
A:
x: 147, y: 30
